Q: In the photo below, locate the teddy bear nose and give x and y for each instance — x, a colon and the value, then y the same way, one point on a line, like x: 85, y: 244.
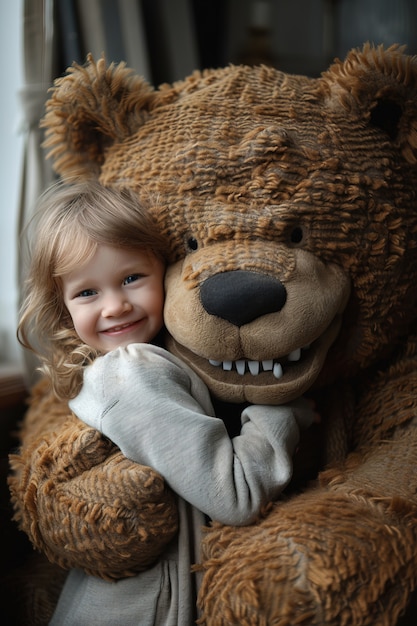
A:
x: 242, y: 296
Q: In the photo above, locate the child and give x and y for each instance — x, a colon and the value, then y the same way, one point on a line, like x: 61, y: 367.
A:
x: 95, y: 301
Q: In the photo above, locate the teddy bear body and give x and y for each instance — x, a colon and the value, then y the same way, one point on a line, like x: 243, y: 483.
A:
x: 289, y: 210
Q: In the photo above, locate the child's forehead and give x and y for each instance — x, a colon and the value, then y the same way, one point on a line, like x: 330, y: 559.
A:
x: 103, y: 257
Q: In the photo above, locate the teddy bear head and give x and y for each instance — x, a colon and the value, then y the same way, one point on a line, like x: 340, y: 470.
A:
x: 288, y: 204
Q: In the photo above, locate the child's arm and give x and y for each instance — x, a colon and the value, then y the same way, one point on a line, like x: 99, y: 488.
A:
x: 156, y: 411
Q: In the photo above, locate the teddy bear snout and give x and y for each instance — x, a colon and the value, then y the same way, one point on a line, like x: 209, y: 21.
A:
x: 241, y: 296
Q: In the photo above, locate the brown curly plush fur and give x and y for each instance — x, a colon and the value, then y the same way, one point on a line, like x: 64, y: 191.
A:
x: 75, y: 478
x: 252, y: 174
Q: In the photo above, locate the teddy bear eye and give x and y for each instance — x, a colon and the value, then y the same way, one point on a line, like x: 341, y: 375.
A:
x: 297, y: 235
x: 192, y: 243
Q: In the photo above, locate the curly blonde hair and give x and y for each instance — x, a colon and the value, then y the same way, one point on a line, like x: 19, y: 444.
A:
x: 71, y: 220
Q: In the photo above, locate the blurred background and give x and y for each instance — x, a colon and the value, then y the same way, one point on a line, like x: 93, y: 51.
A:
x: 164, y: 40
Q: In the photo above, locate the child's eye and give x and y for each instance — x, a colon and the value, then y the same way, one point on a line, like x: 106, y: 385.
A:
x: 86, y: 293
x: 132, y: 278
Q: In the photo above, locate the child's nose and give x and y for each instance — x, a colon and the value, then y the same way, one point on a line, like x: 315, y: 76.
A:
x: 115, y: 305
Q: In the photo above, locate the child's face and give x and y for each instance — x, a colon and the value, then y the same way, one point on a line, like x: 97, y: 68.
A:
x: 116, y: 298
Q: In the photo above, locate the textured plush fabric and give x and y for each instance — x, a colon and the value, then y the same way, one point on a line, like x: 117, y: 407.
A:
x: 75, y: 476
x: 289, y: 208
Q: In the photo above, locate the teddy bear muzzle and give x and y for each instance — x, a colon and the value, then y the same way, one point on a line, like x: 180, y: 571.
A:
x: 266, y: 335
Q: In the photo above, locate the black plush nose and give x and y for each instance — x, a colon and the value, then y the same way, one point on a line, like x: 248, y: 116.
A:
x: 241, y: 296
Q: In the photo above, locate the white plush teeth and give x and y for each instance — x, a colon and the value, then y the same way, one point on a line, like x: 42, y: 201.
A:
x: 240, y: 367
x: 277, y: 371
x: 294, y: 355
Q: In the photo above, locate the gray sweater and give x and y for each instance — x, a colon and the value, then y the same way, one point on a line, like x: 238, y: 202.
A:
x: 159, y: 413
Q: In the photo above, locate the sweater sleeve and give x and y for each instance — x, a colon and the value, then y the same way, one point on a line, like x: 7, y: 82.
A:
x: 159, y: 413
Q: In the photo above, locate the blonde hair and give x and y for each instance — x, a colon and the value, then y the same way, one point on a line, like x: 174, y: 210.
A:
x: 68, y: 225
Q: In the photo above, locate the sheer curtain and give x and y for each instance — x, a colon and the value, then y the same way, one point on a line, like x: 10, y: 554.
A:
x: 38, y: 44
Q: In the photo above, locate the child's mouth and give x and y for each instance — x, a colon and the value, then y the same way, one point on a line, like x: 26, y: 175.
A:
x: 120, y: 328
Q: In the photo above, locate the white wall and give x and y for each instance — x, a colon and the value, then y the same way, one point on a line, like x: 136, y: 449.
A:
x: 11, y: 80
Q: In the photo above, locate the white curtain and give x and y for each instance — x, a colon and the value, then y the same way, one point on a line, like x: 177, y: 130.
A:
x: 38, y: 74
x: 38, y: 42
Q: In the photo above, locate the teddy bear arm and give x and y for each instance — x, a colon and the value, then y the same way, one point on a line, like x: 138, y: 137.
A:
x: 342, y: 552
x: 81, y: 502
x: 324, y: 557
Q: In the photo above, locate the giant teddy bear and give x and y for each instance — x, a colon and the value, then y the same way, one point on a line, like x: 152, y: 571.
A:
x: 290, y: 209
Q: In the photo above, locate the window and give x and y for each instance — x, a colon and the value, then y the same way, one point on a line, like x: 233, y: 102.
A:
x: 10, y: 172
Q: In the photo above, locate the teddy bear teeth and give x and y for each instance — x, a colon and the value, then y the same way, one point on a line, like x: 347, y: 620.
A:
x: 241, y: 366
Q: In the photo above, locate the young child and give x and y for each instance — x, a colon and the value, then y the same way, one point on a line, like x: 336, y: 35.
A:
x: 94, y: 303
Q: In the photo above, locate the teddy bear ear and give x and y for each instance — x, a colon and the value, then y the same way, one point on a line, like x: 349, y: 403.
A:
x: 381, y: 86
x: 90, y: 108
